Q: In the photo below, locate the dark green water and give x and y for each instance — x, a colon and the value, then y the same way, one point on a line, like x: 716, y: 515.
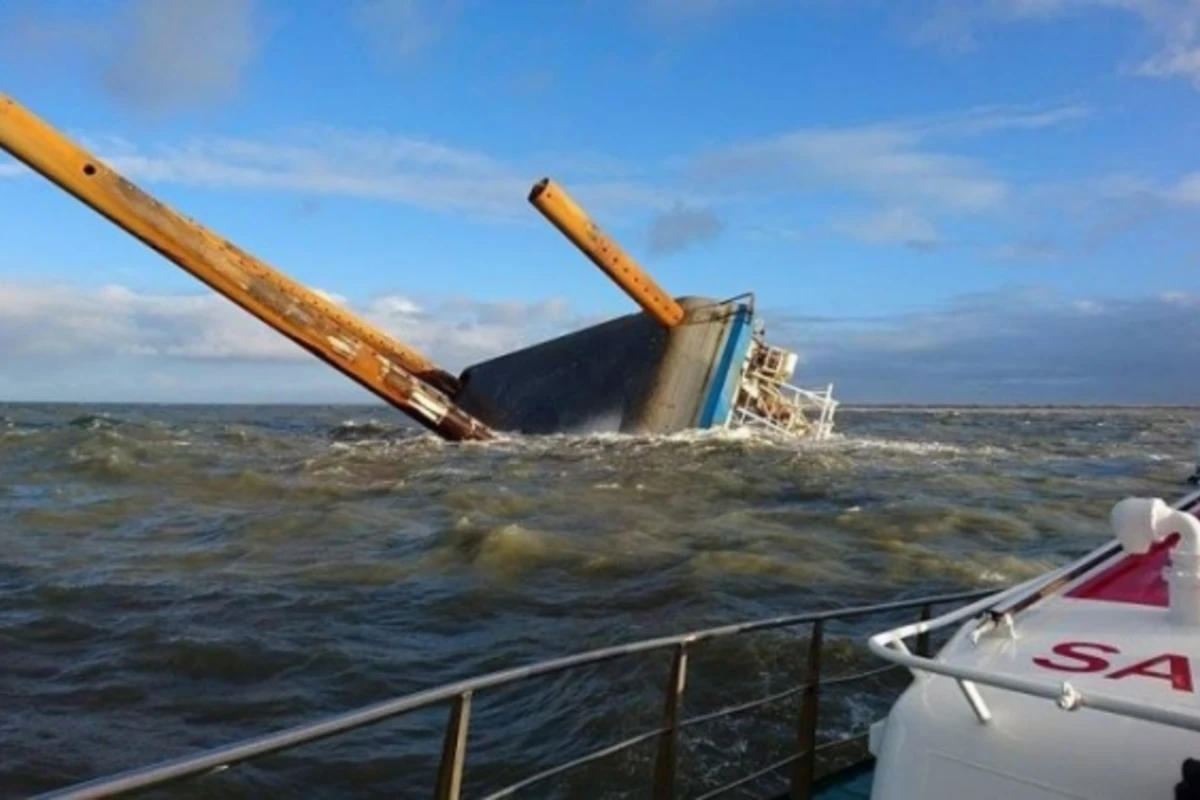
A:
x: 173, y: 578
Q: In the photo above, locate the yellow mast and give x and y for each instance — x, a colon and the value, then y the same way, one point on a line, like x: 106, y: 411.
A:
x: 394, y: 372
x: 571, y: 220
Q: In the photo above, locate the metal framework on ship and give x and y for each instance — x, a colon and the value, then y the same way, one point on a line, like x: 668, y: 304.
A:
x: 459, y: 695
x: 766, y: 399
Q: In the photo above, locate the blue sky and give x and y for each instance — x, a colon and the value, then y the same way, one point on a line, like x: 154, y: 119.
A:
x: 991, y: 201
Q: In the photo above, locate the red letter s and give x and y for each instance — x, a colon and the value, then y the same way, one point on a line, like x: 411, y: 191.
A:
x: 1091, y: 663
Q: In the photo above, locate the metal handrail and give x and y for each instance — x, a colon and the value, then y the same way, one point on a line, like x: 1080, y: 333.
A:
x: 450, y: 772
x: 889, y: 645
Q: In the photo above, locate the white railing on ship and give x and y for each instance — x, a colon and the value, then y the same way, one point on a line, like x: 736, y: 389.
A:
x: 890, y: 646
x: 827, y: 404
x: 459, y: 695
x: 805, y: 400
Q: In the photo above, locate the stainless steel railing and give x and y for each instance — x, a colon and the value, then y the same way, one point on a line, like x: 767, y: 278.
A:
x: 889, y: 645
x: 459, y: 696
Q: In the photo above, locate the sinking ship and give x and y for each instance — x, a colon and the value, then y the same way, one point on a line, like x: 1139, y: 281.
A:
x: 680, y: 363
x: 1079, y: 683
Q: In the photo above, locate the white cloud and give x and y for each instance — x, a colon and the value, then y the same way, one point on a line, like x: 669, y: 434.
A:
x: 1022, y: 345
x: 180, y: 52
x: 153, y: 55
x: 1032, y: 249
x: 896, y: 162
x: 885, y: 162
x: 904, y: 163
x: 327, y: 161
x: 317, y: 161
x: 1177, y: 298
x: 65, y: 323
x: 906, y: 169
x: 1181, y: 62
x: 458, y: 331
x: 402, y: 29
x: 11, y: 169
x: 902, y: 226
x: 332, y: 297
x: 986, y: 119
x: 1098, y: 208
x: 681, y: 227
x: 394, y: 305
x: 1174, y: 24
x: 1186, y: 190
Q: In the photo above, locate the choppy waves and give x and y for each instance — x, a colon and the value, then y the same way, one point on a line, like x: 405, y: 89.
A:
x: 176, y: 577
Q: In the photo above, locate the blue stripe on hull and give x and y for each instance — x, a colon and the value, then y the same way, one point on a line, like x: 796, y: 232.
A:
x: 723, y: 386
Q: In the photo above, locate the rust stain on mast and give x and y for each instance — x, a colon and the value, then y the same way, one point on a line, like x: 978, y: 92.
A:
x: 394, y: 372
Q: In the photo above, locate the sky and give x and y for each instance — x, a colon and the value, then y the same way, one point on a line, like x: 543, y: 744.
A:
x: 932, y: 201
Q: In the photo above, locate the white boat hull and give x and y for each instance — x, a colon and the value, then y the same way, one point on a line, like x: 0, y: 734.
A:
x: 980, y: 720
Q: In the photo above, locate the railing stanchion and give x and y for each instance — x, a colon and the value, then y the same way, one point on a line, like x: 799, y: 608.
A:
x: 804, y: 769
x: 668, y: 741
x: 923, y: 636
x: 454, y: 750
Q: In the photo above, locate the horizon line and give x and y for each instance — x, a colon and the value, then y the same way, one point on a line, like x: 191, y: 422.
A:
x: 842, y: 405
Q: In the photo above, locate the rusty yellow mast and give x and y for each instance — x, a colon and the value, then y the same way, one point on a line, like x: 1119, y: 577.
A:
x: 571, y: 220
x: 394, y: 372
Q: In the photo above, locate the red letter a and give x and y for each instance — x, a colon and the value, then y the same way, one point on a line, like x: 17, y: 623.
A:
x: 1180, y: 674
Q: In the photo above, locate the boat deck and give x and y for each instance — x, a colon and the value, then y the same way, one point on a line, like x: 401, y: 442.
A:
x: 1098, y: 639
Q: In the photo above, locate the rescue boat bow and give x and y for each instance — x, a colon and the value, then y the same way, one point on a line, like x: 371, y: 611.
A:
x: 1113, y: 639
